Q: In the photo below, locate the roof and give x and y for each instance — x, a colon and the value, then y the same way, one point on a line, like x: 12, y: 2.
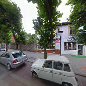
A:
x: 58, y: 58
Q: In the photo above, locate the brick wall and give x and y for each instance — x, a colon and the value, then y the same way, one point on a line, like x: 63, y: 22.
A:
x: 31, y: 47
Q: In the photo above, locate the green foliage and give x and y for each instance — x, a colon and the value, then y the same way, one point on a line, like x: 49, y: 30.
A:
x: 81, y: 36
x: 21, y: 38
x: 78, y: 17
x: 5, y: 35
x: 31, y: 39
x: 47, y: 21
x: 24, y: 38
x: 10, y: 19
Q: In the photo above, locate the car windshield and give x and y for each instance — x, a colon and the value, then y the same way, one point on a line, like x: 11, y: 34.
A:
x: 16, y: 55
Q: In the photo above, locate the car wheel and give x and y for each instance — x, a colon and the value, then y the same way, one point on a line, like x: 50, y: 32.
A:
x: 8, y: 67
x: 34, y: 74
x: 66, y: 84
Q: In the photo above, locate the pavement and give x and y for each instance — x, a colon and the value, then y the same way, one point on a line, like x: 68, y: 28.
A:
x: 78, y: 65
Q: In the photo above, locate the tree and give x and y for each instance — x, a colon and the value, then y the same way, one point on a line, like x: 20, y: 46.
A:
x: 31, y: 39
x: 21, y: 39
x: 10, y: 19
x: 48, y: 20
x: 81, y: 37
x: 5, y: 36
x: 78, y: 18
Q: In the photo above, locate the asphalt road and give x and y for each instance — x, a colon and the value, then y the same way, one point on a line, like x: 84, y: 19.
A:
x: 22, y: 75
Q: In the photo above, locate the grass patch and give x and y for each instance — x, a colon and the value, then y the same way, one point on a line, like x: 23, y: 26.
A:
x: 79, y: 56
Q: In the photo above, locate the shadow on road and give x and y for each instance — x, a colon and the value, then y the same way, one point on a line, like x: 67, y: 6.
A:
x: 19, y: 68
x: 47, y: 83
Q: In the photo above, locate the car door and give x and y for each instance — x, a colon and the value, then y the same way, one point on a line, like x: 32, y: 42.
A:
x: 57, y: 72
x: 46, y: 71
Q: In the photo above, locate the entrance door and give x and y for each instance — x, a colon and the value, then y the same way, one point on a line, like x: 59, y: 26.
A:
x: 80, y: 49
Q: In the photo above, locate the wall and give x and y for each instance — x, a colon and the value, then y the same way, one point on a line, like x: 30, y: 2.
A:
x: 31, y: 47
x: 64, y: 37
x: 84, y: 50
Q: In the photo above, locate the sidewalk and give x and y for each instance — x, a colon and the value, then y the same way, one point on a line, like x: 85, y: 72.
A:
x: 78, y: 65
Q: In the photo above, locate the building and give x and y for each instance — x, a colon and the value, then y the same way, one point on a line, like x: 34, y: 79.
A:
x: 66, y: 41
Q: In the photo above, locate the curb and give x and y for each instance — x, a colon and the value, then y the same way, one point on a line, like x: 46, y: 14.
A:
x: 80, y: 75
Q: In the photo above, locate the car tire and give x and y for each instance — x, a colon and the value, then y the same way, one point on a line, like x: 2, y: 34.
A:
x: 34, y: 74
x: 66, y: 84
x: 8, y: 67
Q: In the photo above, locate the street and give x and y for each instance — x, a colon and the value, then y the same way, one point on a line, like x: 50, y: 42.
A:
x: 22, y: 75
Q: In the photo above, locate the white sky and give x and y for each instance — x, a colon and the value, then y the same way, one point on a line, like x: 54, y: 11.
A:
x: 29, y: 12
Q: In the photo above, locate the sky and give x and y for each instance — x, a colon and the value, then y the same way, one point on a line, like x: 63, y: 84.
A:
x: 29, y: 12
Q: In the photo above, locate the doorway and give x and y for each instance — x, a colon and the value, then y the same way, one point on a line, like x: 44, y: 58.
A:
x: 80, y: 49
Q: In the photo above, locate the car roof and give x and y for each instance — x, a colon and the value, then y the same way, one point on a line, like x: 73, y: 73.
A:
x: 58, y: 58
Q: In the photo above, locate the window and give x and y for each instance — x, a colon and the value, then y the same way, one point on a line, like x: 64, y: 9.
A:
x: 69, y: 45
x: 16, y: 55
x: 58, y: 65
x: 71, y: 32
x: 67, y: 67
x: 48, y: 64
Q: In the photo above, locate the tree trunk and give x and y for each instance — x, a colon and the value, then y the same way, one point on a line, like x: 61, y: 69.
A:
x: 45, y: 53
x: 16, y: 46
x: 20, y: 47
x: 6, y: 47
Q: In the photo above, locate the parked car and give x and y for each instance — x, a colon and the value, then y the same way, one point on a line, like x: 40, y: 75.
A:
x: 13, y: 59
x: 56, y: 69
x: 2, y: 49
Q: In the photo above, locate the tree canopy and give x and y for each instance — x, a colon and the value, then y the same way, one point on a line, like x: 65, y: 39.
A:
x: 31, y: 39
x: 78, y: 17
x: 10, y: 20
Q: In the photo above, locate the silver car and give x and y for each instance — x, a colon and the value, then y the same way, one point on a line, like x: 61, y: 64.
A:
x: 13, y: 59
x: 2, y: 49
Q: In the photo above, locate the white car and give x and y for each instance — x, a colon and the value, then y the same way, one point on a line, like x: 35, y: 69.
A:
x: 56, y: 69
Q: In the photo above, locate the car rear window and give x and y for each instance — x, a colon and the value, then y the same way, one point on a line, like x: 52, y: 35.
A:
x: 16, y: 55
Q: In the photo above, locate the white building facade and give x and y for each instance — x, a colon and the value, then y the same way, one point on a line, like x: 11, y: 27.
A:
x: 67, y: 43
